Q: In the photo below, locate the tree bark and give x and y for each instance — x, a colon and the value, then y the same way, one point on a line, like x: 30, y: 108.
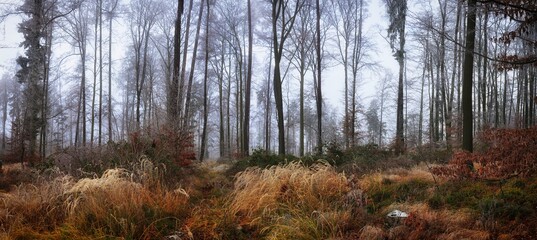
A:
x: 205, y: 88
x: 468, y: 67
x: 186, y: 113
x: 246, y: 124
x: 173, y: 101
x: 319, y: 95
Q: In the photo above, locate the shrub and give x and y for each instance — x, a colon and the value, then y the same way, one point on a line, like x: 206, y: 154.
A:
x: 260, y: 158
x: 508, y: 153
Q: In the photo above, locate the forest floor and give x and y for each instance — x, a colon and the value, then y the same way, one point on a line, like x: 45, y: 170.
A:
x: 269, y: 197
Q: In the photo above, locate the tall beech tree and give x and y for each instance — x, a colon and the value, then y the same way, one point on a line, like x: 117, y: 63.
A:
x: 468, y: 68
x: 284, y: 14
x: 173, y: 91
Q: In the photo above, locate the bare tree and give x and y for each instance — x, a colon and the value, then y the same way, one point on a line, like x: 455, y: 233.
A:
x: 4, y: 104
x: 284, y: 14
x: 76, y: 27
x: 141, y: 25
x: 111, y: 13
x: 186, y: 113
x: 301, y: 48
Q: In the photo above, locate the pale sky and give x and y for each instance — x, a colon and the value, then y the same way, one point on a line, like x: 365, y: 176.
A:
x: 333, y: 84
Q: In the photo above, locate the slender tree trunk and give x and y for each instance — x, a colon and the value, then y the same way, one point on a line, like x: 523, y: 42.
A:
x: 246, y: 124
x: 420, y: 126
x: 302, y: 81
x: 205, y: 88
x: 467, y: 139
x: 83, y: 98
x: 186, y: 122
x: 443, y: 73
x: 185, y: 54
x: 228, y: 107
x: 4, y: 116
x: 221, y: 101
x: 268, y: 110
x: 319, y: 79
x: 100, y: 72
x: 456, y: 70
x: 95, y: 72
x: 110, y: 133
x: 485, y: 118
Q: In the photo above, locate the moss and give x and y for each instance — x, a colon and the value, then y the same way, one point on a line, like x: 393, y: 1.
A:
x: 436, y: 201
x: 463, y: 194
x: 413, y: 190
x: 389, y: 192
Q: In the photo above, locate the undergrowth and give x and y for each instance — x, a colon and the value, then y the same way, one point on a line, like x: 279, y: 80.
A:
x: 338, y: 195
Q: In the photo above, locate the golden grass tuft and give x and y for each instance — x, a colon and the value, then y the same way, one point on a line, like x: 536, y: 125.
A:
x: 120, y: 203
x: 420, y: 172
x: 292, y: 200
x: 115, y: 205
x: 34, y: 207
x: 258, y: 191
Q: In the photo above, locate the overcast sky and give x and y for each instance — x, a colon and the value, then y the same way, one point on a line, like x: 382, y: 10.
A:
x: 375, y: 28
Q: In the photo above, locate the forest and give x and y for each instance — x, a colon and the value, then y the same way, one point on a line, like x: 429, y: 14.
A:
x: 268, y: 119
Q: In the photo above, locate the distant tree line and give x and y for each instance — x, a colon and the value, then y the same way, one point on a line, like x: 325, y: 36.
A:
x: 194, y: 67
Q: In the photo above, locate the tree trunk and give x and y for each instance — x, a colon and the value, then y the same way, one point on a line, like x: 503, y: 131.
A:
x: 399, y: 134
x: 277, y: 81
x: 205, y: 88
x: 100, y: 73
x: 319, y: 96
x: 222, y: 135
x: 95, y: 72
x: 186, y: 113
x: 246, y: 124
x: 467, y: 125
x: 173, y: 101
x: 268, y: 110
x: 185, y: 54
x: 110, y: 133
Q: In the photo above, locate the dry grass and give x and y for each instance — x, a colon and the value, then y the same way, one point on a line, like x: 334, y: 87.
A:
x: 292, y: 200
x: 282, y: 202
x: 420, y: 172
x: 34, y: 207
x: 372, y: 233
x: 98, y: 206
x: 425, y: 223
x: 113, y: 205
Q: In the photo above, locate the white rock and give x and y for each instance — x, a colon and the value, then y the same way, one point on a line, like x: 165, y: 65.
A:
x: 397, y: 214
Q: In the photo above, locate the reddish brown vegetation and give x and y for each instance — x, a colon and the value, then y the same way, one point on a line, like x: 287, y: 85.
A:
x: 507, y: 153
x: 167, y: 144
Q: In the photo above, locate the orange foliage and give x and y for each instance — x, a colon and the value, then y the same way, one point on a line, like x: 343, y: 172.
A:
x: 509, y: 152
